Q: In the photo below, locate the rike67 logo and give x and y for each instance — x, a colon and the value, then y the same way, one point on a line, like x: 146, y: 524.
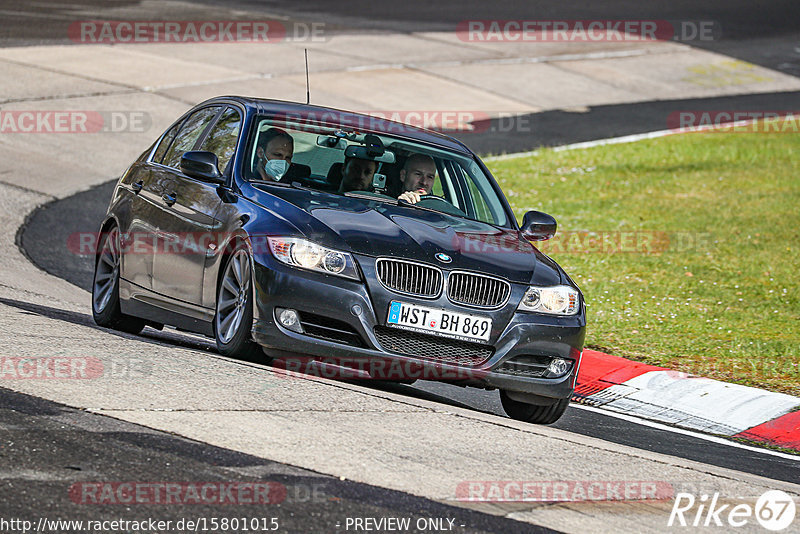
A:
x: 774, y: 510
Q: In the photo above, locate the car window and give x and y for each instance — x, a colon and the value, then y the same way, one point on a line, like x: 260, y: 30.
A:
x: 190, y: 132
x: 460, y: 186
x: 222, y: 138
x: 165, y: 142
x: 481, y: 208
x: 475, y: 195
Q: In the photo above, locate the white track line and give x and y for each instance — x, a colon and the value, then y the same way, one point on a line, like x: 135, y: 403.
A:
x: 619, y: 140
x: 675, y: 430
x: 586, y: 144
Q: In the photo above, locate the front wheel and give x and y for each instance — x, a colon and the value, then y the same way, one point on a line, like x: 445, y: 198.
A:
x: 532, y: 413
x: 234, y: 313
x: 105, y: 287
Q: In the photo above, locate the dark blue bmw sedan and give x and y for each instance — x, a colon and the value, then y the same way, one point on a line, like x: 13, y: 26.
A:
x: 343, y: 241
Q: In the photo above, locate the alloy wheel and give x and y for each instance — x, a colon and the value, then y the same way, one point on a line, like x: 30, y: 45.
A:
x: 107, y: 271
x: 233, y: 294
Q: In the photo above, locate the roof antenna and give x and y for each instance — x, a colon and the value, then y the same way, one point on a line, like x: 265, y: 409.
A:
x: 308, y: 86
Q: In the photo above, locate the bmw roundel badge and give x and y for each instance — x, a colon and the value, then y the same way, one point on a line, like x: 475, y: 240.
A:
x: 444, y: 258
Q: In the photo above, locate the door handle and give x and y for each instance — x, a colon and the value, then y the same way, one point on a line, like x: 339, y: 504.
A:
x: 137, y: 187
x: 169, y: 198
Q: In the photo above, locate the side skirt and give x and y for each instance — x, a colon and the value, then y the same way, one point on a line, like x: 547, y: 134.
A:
x: 140, y: 302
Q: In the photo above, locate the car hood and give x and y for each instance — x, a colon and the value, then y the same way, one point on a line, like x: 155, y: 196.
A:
x: 375, y: 228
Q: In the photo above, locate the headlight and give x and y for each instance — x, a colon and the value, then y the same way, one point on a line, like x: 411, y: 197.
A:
x: 302, y: 253
x: 556, y: 300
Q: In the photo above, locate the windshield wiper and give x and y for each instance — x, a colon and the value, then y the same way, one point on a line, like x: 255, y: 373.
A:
x: 386, y: 200
x: 296, y: 185
x: 450, y: 213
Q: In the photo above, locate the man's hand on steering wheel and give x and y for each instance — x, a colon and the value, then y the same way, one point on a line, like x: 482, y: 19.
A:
x: 412, y: 197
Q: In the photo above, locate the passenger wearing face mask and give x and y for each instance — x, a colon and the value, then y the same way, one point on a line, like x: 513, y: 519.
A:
x: 274, y: 154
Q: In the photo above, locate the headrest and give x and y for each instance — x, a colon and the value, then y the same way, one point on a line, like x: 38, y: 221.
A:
x: 335, y: 174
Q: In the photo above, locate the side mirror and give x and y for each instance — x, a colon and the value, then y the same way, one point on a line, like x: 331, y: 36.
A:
x: 202, y: 165
x: 538, y: 226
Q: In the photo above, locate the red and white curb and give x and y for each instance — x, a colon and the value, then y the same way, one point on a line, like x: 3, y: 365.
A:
x: 687, y: 401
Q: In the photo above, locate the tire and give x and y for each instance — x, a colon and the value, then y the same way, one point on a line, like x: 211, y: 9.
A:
x: 105, y: 287
x: 233, y: 317
x: 532, y: 413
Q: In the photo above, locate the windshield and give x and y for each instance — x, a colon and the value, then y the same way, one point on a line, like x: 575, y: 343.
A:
x: 371, y: 167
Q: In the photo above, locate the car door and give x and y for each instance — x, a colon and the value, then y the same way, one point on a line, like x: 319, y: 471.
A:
x: 137, y: 265
x: 189, y: 227
x: 165, y: 221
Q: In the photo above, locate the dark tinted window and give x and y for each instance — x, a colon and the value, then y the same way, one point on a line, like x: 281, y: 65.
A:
x: 164, y: 144
x: 187, y: 137
x: 222, y: 138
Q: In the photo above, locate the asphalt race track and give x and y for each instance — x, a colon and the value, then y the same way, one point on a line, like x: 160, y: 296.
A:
x: 61, y: 443
x: 44, y: 236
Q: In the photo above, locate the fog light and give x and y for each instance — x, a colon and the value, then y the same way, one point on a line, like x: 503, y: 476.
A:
x: 558, y: 367
x: 290, y: 319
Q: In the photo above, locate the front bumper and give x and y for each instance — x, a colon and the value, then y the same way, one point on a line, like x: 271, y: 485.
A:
x: 352, y: 303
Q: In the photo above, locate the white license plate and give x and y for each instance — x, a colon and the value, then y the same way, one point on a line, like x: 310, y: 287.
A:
x: 437, y: 321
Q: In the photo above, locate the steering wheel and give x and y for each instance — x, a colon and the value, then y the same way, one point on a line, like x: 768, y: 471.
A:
x: 439, y: 204
x: 432, y: 197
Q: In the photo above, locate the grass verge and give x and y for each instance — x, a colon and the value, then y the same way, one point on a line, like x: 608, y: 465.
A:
x: 687, y: 248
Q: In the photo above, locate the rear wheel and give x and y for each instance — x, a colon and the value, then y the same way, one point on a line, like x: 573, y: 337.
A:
x: 533, y: 413
x: 105, y: 287
x: 234, y: 313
